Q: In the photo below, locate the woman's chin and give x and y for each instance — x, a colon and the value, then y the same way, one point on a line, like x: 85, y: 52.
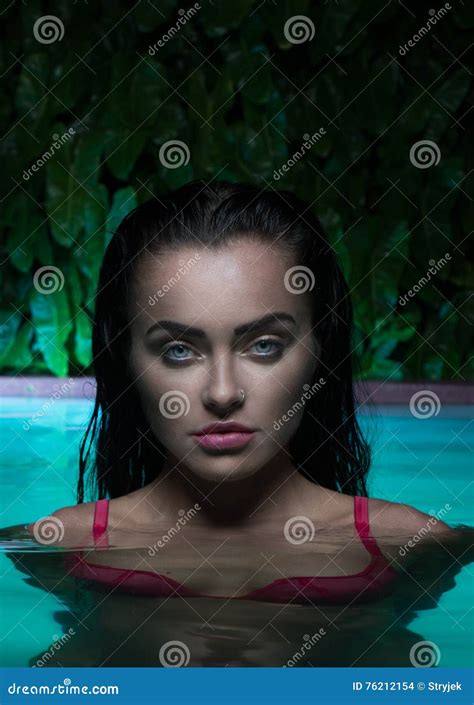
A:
x: 220, y: 475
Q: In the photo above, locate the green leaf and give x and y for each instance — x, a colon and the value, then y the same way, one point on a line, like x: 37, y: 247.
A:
x: 220, y: 18
x: 64, y: 196
x: 453, y: 90
x: 82, y: 339
x: 23, y: 219
x: 74, y: 287
x: 124, y: 147
x: 51, y: 318
x: 388, y: 370
x: 387, y: 262
x: 30, y: 94
x: 88, y: 151
x: 147, y: 17
x: 124, y: 201
x: 9, y: 325
x: 19, y: 355
x: 257, y: 82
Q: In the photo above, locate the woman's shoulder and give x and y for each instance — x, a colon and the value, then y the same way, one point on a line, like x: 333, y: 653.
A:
x: 76, y: 514
x: 69, y: 525
x: 76, y: 521
x: 394, y: 525
x: 385, y: 517
x: 388, y: 518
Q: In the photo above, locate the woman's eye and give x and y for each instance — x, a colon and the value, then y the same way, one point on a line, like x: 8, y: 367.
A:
x: 179, y: 347
x: 178, y: 352
x: 267, y: 350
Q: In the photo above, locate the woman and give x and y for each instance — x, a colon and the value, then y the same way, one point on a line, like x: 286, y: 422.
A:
x: 224, y: 453
x: 223, y: 357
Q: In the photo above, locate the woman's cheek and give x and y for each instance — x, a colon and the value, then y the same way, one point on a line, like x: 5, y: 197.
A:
x: 169, y: 407
x: 288, y: 409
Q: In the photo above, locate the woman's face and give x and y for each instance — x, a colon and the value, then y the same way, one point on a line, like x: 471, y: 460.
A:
x: 187, y: 379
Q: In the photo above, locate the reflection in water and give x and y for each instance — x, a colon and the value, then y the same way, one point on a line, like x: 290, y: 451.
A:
x: 112, y: 627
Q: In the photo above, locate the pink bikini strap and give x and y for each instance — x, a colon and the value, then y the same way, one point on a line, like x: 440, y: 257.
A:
x: 361, y: 520
x: 99, y: 528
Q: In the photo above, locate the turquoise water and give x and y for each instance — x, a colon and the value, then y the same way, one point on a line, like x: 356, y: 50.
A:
x: 423, y: 462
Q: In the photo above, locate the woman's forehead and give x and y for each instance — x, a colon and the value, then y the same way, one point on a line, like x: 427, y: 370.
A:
x: 223, y: 287
x: 250, y: 269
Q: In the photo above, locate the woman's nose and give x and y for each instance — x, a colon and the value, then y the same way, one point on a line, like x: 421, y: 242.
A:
x: 222, y: 390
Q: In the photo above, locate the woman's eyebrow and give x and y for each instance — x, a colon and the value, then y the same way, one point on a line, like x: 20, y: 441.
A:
x: 176, y: 327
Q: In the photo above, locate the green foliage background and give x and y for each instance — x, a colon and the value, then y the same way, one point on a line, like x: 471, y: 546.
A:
x: 241, y: 96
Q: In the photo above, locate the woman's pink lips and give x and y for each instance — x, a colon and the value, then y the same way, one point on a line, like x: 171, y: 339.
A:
x: 231, y: 439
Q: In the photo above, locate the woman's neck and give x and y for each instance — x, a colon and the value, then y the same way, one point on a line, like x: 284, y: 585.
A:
x: 269, y: 496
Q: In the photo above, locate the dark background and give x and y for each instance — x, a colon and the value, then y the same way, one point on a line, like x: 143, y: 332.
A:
x: 242, y: 96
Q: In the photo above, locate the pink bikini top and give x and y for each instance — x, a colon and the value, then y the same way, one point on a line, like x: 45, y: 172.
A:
x: 371, y: 583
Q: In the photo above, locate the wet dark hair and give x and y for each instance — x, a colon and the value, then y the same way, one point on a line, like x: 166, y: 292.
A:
x: 118, y: 451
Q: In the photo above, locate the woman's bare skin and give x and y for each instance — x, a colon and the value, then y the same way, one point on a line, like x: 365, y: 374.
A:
x: 235, y: 543
x: 121, y: 629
